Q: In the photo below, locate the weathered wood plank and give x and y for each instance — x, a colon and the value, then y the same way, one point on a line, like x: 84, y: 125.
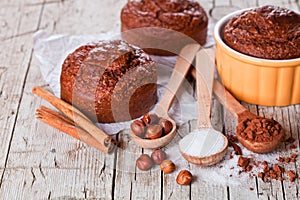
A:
x: 63, y: 167
x: 42, y: 147
x: 276, y: 191
x: 171, y: 190
x: 264, y: 189
x: 147, y: 185
x: 130, y: 182
x: 14, y: 64
x: 51, y: 183
x: 82, y: 17
x: 235, y: 192
x: 289, y: 122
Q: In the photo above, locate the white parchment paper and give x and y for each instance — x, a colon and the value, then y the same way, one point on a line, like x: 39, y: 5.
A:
x: 51, y: 50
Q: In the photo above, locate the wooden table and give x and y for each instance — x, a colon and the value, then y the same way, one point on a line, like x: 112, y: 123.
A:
x: 39, y: 162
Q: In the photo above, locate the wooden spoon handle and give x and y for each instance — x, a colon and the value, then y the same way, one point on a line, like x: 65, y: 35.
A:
x: 79, y: 118
x: 205, y: 76
x: 227, y: 100
x: 223, y: 96
x: 180, y: 70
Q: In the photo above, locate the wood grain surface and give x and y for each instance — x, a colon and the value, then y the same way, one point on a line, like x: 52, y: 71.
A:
x: 39, y: 162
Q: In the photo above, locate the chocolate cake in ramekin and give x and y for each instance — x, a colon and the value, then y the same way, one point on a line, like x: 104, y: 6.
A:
x: 258, y: 55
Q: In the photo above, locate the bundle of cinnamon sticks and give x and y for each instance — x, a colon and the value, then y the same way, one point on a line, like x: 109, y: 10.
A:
x: 75, y: 124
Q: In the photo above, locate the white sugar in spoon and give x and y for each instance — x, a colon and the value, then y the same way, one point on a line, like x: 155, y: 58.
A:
x: 204, y: 146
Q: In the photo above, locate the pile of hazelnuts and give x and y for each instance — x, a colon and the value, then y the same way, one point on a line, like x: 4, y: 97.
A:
x: 158, y: 157
x: 150, y: 126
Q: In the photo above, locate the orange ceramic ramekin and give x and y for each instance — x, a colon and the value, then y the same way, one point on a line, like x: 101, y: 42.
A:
x: 255, y: 80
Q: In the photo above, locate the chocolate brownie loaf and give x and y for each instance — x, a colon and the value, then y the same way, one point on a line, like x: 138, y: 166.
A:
x: 186, y: 18
x: 109, y: 81
x: 266, y: 32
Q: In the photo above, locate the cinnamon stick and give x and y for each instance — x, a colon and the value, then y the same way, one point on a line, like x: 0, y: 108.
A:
x: 79, y: 118
x: 63, y: 124
x: 56, y: 114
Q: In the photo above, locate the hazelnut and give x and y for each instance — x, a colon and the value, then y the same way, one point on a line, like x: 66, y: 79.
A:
x: 153, y: 132
x: 144, y: 162
x: 150, y: 119
x: 138, y: 128
x: 158, y: 156
x: 167, y: 166
x: 184, y: 177
x: 166, y: 125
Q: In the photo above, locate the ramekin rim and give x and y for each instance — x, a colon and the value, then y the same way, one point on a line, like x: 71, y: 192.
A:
x: 219, y: 39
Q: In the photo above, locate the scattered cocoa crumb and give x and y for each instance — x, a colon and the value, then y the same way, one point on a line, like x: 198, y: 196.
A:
x: 231, y: 168
x: 277, y: 168
x: 251, y: 188
x: 243, y: 162
x: 292, y: 158
x: 237, y: 149
x: 280, y: 159
x: 265, y: 163
x: 280, y: 179
x: 261, y: 175
x: 292, y: 175
x: 271, y: 172
x: 230, y: 175
x: 290, y: 140
x: 231, y: 156
x: 293, y: 155
x: 232, y: 138
x: 275, y: 172
x: 266, y: 168
x: 220, y: 166
x: 248, y: 168
x: 273, y: 175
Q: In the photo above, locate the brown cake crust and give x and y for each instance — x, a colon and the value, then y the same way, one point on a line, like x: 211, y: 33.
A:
x: 184, y: 16
x: 109, y: 81
x: 267, y: 32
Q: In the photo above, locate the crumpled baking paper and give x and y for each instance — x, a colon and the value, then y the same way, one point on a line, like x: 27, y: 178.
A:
x: 51, y: 50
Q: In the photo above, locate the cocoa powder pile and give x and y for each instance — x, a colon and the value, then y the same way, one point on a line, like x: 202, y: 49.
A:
x: 259, y: 129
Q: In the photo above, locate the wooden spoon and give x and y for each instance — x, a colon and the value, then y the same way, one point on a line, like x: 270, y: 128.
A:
x: 204, y: 146
x: 245, y: 119
x: 180, y: 70
x: 244, y: 116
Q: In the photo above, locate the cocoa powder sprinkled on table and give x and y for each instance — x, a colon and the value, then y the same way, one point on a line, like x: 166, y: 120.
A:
x: 292, y: 158
x: 290, y: 140
x: 292, y: 175
x: 276, y: 171
x: 269, y: 171
x: 232, y: 143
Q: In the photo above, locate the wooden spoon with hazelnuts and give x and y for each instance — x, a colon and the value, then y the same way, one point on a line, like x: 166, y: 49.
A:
x: 158, y: 129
